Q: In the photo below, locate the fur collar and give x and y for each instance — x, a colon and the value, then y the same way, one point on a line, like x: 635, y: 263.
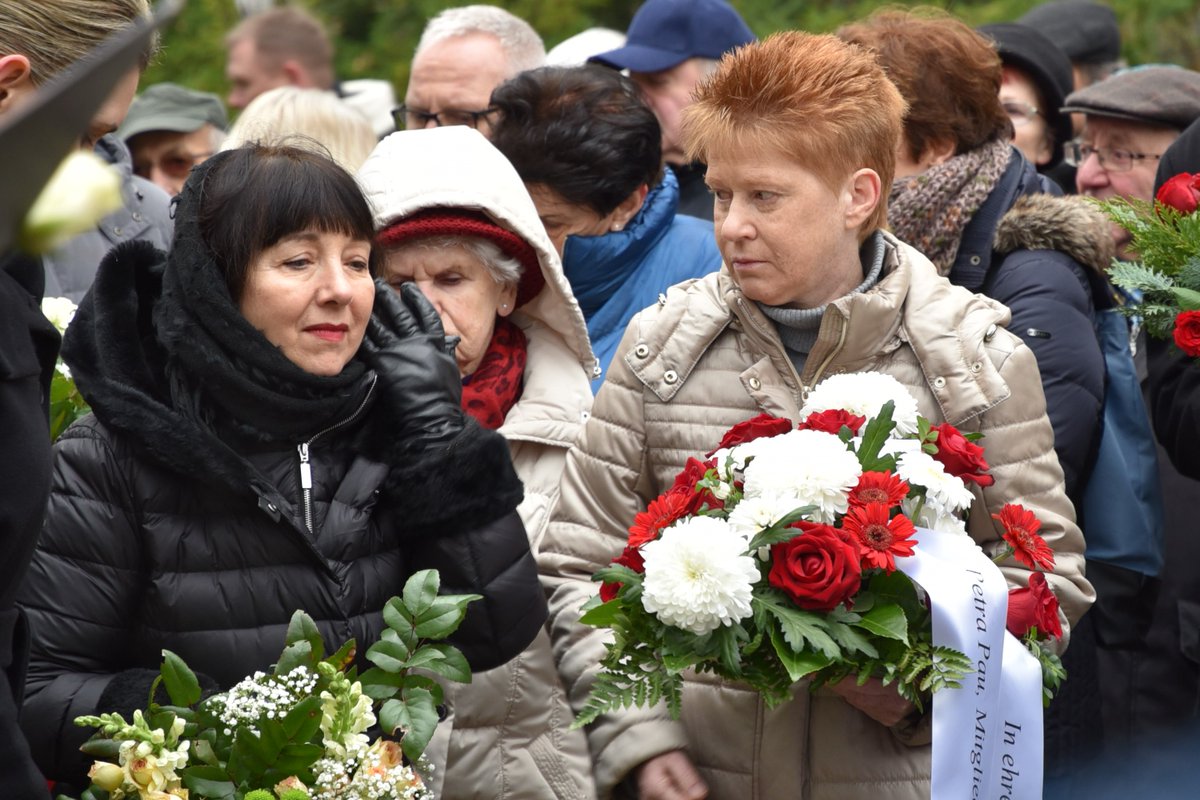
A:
x: 1071, y: 225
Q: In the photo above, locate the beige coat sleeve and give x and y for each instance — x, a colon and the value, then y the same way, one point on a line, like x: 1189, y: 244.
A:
x: 606, y: 482
x: 1019, y: 445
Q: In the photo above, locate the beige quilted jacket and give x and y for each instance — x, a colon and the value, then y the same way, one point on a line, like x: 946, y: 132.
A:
x: 506, y: 736
x: 706, y: 358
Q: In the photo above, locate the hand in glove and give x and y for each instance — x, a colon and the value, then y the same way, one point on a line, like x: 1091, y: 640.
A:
x: 418, y: 378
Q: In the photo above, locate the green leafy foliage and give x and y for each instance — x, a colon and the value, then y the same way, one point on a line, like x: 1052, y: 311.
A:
x: 66, y: 404
x: 325, y: 709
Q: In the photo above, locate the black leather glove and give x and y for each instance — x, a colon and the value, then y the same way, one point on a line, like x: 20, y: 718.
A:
x: 419, y: 381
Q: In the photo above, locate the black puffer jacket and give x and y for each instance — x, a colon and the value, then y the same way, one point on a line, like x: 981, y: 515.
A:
x: 153, y: 541
x: 1052, y: 252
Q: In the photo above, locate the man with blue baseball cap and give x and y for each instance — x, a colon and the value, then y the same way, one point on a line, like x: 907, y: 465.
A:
x: 669, y: 47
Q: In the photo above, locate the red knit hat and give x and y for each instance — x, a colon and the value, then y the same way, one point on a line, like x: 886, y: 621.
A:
x: 467, y: 222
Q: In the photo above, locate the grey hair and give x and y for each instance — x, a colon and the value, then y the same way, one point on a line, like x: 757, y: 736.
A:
x: 522, y: 46
x: 502, y: 268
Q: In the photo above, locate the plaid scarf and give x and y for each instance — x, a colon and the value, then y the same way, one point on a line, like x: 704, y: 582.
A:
x: 930, y: 211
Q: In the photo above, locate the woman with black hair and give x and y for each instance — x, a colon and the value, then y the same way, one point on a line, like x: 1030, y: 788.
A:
x: 271, y: 433
x: 590, y: 152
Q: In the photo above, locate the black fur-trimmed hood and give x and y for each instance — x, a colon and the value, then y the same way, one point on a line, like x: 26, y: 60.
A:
x: 1071, y: 225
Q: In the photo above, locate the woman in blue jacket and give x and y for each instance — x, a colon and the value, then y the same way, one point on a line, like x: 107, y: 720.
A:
x: 590, y: 153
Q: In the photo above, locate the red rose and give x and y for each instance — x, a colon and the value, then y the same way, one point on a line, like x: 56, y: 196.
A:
x: 817, y: 569
x: 832, y: 421
x: 1181, y: 193
x: 631, y: 557
x: 962, y: 458
x: 1033, y: 607
x: 751, y: 429
x: 1187, y: 332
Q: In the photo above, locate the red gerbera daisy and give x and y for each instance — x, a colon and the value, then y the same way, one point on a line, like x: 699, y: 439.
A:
x: 1021, y: 533
x: 879, y: 487
x: 882, y: 538
x: 663, y: 510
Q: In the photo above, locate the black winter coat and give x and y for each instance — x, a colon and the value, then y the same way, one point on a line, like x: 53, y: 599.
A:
x: 147, y: 547
x: 28, y: 347
x: 1043, y: 256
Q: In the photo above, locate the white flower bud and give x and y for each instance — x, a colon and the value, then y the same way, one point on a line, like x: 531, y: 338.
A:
x: 81, y: 192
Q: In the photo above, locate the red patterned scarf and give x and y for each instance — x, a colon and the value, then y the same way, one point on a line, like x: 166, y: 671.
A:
x: 494, y: 388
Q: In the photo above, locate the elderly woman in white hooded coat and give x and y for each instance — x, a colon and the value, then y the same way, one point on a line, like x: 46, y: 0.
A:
x: 453, y: 216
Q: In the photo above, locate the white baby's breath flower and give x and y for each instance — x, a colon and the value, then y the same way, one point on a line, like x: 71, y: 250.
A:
x: 811, y: 467
x: 941, y: 488
x: 698, y: 577
x: 864, y: 393
x: 80, y: 193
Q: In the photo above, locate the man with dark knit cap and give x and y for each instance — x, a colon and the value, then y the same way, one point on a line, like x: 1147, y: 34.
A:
x: 1087, y: 32
x: 670, y: 46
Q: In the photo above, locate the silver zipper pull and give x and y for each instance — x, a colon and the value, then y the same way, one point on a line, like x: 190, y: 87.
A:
x: 305, y: 467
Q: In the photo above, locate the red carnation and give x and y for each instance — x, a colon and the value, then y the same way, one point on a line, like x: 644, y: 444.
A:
x: 663, y: 510
x: 764, y: 425
x: 882, y: 538
x: 685, y: 485
x: 879, y: 487
x: 1181, y: 193
x: 1187, y: 332
x: 630, y: 557
x: 817, y: 569
x: 962, y: 458
x: 1021, y: 532
x: 831, y: 421
x: 1033, y: 607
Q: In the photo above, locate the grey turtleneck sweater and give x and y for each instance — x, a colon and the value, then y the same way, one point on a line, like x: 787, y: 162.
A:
x: 798, y: 327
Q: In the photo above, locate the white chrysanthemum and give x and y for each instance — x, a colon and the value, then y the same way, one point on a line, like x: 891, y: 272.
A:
x: 941, y: 488
x: 811, y: 467
x: 864, y: 393
x: 754, y: 514
x: 698, y: 576
x: 933, y: 516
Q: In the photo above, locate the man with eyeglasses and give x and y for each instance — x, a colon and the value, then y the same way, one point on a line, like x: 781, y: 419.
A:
x: 1129, y: 121
x: 170, y: 129
x: 464, y: 53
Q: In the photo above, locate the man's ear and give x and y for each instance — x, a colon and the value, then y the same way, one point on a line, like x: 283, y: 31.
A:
x: 297, y: 75
x: 863, y: 193
x: 15, y: 80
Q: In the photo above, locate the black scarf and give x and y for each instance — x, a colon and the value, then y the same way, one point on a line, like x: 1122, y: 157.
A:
x: 222, y: 370
x: 163, y: 355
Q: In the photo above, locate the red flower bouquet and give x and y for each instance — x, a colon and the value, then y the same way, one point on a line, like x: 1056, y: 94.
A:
x: 774, y: 559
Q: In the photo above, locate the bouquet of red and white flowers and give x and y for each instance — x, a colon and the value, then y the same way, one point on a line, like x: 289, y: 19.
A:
x: 774, y: 559
x: 1166, y: 236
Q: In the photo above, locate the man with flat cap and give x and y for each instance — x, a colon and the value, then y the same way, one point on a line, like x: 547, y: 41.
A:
x: 1130, y: 121
x: 170, y: 129
x: 670, y: 46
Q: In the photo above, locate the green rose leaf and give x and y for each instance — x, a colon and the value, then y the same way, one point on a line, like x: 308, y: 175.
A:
x: 380, y: 684
x: 209, y: 782
x: 179, y: 680
x: 296, y: 654
x: 415, y: 714
x: 389, y: 655
x: 887, y: 620
x: 400, y: 619
x: 452, y: 665
x: 304, y: 720
x: 102, y: 749
x: 420, y: 591
x: 443, y: 616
